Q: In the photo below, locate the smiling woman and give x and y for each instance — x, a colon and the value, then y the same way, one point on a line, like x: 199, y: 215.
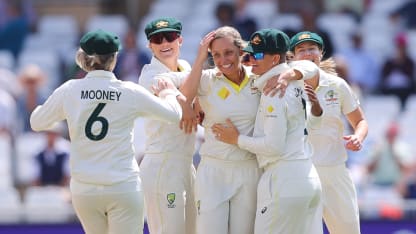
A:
x: 167, y: 171
x: 225, y: 186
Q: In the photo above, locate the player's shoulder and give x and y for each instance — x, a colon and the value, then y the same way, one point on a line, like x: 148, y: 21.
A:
x: 332, y: 79
x: 148, y: 71
x: 184, y: 65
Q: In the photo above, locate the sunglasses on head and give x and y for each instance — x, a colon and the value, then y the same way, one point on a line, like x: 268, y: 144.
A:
x: 256, y: 56
x: 169, y: 36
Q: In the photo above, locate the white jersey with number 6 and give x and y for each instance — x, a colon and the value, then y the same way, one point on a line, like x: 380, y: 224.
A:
x: 100, y: 111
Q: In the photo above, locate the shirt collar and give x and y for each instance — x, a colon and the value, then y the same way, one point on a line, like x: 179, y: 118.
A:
x: 156, y: 62
x: 247, y: 77
x: 101, y: 74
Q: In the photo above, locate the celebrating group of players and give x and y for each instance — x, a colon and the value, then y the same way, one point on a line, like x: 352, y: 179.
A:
x: 274, y: 151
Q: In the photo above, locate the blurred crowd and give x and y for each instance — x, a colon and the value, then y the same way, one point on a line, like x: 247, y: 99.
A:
x: 385, y: 171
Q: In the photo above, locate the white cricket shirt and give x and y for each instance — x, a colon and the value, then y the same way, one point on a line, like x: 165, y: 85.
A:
x: 221, y: 99
x: 162, y: 137
x: 336, y: 99
x: 100, y: 111
x: 279, y: 131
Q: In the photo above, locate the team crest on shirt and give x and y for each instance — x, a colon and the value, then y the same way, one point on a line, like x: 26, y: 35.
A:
x: 171, y: 200
x: 223, y: 93
x: 162, y: 24
x: 253, y: 88
x: 331, y: 97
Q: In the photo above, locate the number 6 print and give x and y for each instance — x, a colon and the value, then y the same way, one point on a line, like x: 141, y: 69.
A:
x: 93, y: 118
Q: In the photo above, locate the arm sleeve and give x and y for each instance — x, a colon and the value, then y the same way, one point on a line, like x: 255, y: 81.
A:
x: 349, y: 100
x: 307, y: 68
x: 275, y: 128
x: 44, y: 116
x: 166, y: 108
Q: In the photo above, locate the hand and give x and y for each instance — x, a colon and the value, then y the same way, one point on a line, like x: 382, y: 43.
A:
x: 316, y: 108
x: 189, y: 119
x: 278, y: 83
x: 162, y: 84
x: 352, y: 143
x: 200, y: 115
x: 227, y: 133
x: 204, y: 45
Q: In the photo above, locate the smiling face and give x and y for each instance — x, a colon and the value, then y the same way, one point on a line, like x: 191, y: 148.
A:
x: 261, y: 66
x: 308, y: 51
x: 226, y: 56
x: 166, y: 51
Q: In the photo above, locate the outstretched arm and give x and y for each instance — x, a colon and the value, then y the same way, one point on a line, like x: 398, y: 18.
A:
x: 302, y: 69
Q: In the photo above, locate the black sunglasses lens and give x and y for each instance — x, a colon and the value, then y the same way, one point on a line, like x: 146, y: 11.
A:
x: 169, y: 36
x: 157, y: 38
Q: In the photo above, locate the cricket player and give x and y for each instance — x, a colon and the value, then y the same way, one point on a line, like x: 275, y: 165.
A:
x: 227, y: 177
x: 167, y: 170
x: 289, y: 191
x: 329, y: 143
x: 100, y: 111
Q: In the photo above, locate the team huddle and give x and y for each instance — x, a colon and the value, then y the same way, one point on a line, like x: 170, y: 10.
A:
x: 274, y: 150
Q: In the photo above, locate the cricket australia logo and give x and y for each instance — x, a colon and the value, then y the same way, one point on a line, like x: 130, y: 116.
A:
x: 304, y: 36
x: 256, y: 40
x: 171, y: 200
x: 162, y: 24
x: 331, y: 97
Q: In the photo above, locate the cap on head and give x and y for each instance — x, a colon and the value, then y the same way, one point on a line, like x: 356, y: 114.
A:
x: 306, y: 36
x: 166, y: 24
x: 100, y: 42
x: 268, y: 41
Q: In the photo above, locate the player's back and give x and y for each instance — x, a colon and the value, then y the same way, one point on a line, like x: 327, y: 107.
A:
x: 100, y: 111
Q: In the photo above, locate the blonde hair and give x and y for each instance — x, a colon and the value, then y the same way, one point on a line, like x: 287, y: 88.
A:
x: 95, y: 62
x: 230, y: 32
x: 329, y: 65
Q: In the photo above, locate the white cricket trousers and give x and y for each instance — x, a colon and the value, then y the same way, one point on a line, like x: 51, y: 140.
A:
x: 168, y: 186
x: 288, y: 199
x: 339, y: 194
x: 110, y: 211
x: 225, y: 192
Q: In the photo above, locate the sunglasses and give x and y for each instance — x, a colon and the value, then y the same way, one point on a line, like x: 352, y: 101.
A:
x: 169, y: 36
x: 256, y: 56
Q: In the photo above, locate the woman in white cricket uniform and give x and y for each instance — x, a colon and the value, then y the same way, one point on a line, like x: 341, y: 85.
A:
x: 227, y: 177
x: 100, y: 111
x: 289, y: 191
x: 167, y: 171
x: 328, y: 140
